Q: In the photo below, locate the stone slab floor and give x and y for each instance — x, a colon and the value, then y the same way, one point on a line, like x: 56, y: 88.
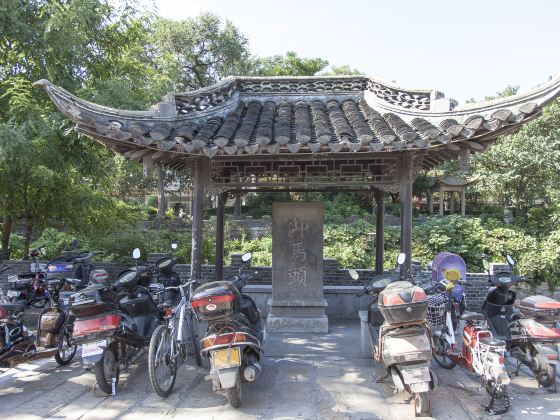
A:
x: 319, y: 376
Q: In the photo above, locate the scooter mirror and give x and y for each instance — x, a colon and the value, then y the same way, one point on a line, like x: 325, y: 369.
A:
x: 510, y: 260
x: 401, y: 258
x: 354, y: 274
x: 246, y: 257
x: 486, y: 265
x: 74, y: 244
x: 136, y: 253
x: 173, y: 245
x: 430, y: 265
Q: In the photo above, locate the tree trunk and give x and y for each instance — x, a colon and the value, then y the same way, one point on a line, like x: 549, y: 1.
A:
x: 28, y: 234
x: 7, y: 224
x: 161, y: 192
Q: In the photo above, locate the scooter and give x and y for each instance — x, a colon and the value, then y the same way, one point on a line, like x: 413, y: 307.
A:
x: 165, y: 277
x: 401, y: 336
x: 480, y: 353
x: 235, y: 335
x: 114, y: 323
x: 54, y: 333
x: 530, y: 342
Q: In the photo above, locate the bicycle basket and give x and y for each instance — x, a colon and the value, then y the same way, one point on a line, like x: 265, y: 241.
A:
x: 437, y: 305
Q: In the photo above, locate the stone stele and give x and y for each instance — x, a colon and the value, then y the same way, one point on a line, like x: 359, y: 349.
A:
x: 297, y: 303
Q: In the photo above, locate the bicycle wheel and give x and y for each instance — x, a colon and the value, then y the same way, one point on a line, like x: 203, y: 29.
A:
x: 67, y: 349
x: 162, y: 366
x: 194, y: 339
x: 442, y: 349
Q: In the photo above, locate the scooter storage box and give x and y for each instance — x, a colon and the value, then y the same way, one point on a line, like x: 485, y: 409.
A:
x: 540, y: 308
x: 401, y: 301
x: 215, y: 300
x: 52, y: 320
x: 93, y: 300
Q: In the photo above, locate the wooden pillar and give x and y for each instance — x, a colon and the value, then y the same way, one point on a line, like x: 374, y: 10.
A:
x: 200, y: 180
x: 220, y: 214
x: 237, y: 206
x: 441, y: 203
x: 379, y: 227
x: 406, y: 180
x: 162, y: 205
x: 430, y: 202
x: 451, y: 202
x: 463, y: 202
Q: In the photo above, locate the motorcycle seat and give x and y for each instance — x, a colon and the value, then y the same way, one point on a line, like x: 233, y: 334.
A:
x: 12, y: 307
x: 471, y: 316
x: 492, y: 342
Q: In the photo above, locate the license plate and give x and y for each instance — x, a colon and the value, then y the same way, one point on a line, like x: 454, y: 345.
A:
x: 411, y: 376
x: 13, y: 293
x: 93, y: 349
x: 226, y: 358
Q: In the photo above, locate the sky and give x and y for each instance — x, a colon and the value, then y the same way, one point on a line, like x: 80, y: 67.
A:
x: 467, y: 49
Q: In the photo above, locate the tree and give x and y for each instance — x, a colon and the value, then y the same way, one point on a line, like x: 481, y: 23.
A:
x: 289, y: 64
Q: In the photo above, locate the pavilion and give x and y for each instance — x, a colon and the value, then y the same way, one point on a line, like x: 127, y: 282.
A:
x: 344, y: 133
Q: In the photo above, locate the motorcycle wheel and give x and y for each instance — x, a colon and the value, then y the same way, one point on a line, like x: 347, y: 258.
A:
x: 422, y: 406
x: 67, y: 351
x: 194, y: 339
x: 441, y: 356
x: 107, y: 369
x: 545, y: 373
x: 162, y: 368
x: 234, y: 394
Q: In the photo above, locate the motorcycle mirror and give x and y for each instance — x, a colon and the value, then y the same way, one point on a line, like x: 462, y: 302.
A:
x: 354, y: 274
x: 173, y: 245
x: 510, y: 260
x: 401, y: 258
x: 246, y: 257
x: 486, y: 265
x: 430, y: 265
x: 136, y: 253
x: 74, y: 244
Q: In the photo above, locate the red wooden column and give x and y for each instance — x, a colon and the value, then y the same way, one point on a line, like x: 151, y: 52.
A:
x: 201, y: 176
x: 379, y: 227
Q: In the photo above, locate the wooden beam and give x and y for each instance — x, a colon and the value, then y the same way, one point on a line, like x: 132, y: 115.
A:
x: 453, y: 147
x: 475, y: 146
x: 200, y: 182
x: 406, y: 180
x: 136, y: 154
x: 379, y: 231
x: 220, y: 215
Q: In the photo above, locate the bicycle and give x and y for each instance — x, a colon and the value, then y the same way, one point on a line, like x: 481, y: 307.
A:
x: 169, y: 343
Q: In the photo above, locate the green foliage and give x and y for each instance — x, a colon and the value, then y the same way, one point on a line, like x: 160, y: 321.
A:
x: 286, y: 65
x: 54, y: 242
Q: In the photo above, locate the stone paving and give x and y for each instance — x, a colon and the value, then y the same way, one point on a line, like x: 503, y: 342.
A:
x: 305, y: 376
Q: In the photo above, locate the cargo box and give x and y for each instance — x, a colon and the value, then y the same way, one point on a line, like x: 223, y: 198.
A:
x: 401, y: 301
x: 541, y: 308
x: 93, y: 300
x: 215, y: 300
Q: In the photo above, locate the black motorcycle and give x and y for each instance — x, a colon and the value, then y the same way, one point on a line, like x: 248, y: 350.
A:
x: 530, y: 332
x: 114, y: 323
x: 235, y: 335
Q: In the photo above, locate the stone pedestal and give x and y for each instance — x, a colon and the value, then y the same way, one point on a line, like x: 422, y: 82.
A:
x: 297, y: 303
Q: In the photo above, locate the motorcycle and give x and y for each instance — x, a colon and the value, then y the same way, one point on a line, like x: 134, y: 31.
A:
x: 166, y: 277
x: 401, y: 336
x: 54, y: 332
x: 531, y: 332
x: 114, y: 323
x: 235, y: 335
x: 29, y: 288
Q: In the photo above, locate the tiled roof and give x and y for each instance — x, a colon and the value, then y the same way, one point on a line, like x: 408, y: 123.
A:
x: 251, y: 116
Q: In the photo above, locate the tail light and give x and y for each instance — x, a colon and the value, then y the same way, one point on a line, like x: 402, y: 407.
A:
x: 501, y: 360
x: 212, y: 300
x: 103, y: 323
x: 392, y: 299
x: 548, y: 305
x: 4, y: 314
x: 538, y: 330
x: 222, y: 339
x: 419, y: 296
x: 552, y: 356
